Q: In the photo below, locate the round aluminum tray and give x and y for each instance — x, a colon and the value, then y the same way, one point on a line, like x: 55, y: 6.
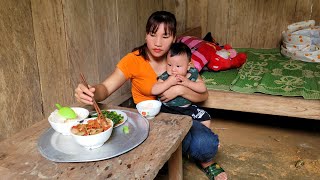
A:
x: 59, y: 148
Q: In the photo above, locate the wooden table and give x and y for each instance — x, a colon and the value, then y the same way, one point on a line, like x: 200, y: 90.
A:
x: 20, y: 158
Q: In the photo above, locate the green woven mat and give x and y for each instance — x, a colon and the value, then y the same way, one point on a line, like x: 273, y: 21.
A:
x: 267, y: 71
x: 219, y: 80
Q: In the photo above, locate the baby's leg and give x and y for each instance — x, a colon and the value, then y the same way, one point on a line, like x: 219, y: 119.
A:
x: 207, y: 123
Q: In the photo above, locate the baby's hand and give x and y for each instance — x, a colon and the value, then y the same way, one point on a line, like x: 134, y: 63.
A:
x: 183, y: 80
x: 173, y: 80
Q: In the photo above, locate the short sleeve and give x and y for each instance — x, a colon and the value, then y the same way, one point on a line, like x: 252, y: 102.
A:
x: 126, y: 65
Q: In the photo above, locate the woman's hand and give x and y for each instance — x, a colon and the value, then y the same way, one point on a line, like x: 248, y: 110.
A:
x: 84, y: 95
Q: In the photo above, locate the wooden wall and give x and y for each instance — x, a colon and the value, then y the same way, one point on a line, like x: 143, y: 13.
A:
x: 256, y: 23
x: 46, y: 44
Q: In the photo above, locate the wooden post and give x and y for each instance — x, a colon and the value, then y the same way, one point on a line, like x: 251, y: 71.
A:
x: 175, y: 165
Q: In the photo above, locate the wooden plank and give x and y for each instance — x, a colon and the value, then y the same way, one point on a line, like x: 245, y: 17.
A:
x: 169, y: 5
x: 192, y: 32
x: 315, y: 11
x: 20, y: 91
x: 106, y: 32
x: 286, y: 10
x: 196, y: 15
x: 204, y: 17
x: 21, y: 159
x: 81, y: 46
x: 127, y: 17
x: 107, y: 40
x: 143, y: 14
x: 193, y: 12
x: 218, y: 20
x: 264, y: 30
x: 175, y: 165
x: 119, y: 100
x: 256, y: 24
x: 51, y: 51
x: 303, y: 10
x: 180, y: 13
x: 240, y: 22
x: 264, y: 104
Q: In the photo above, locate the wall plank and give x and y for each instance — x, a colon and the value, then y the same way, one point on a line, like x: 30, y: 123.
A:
x: 197, y: 15
x: 218, y: 12
x: 315, y: 11
x: 107, y: 38
x: 54, y: 68
x: 150, y: 6
x: 241, y: 22
x: 303, y: 10
x: 181, y: 15
x: 81, y: 38
x: 127, y: 17
x: 258, y: 24
x: 193, y: 17
x: 20, y: 91
x: 204, y: 16
x: 169, y: 5
x: 265, y: 31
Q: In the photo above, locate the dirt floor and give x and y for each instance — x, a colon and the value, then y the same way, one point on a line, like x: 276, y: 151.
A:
x: 255, y: 146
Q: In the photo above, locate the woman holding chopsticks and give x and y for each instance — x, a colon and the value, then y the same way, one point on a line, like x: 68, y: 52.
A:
x: 142, y: 66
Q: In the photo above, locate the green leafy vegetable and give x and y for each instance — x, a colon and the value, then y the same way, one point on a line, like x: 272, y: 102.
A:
x: 114, y: 116
x: 125, y: 129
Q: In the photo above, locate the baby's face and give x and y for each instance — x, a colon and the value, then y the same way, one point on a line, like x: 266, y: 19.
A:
x: 178, y: 64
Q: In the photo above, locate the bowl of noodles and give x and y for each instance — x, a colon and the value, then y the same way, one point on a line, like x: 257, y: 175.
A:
x: 92, y: 133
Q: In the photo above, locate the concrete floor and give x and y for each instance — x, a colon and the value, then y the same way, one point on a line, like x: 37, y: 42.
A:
x: 255, y: 146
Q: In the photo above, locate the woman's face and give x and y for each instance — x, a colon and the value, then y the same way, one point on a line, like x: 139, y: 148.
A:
x: 159, y: 43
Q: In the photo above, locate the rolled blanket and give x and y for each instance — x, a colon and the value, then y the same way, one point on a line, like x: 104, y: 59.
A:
x: 301, y: 41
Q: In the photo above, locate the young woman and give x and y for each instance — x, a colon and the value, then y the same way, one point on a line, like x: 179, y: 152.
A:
x: 142, y: 66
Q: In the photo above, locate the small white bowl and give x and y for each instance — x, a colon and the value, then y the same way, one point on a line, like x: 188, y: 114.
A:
x: 149, y: 108
x: 63, y: 125
x: 93, y: 141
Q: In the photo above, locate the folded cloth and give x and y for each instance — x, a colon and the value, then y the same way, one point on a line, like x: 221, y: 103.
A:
x: 301, y: 41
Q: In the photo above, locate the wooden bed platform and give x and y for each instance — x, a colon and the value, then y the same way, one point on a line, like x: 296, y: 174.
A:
x: 263, y: 104
x: 259, y: 103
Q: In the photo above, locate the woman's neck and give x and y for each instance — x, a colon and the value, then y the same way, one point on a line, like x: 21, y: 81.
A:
x: 158, y: 64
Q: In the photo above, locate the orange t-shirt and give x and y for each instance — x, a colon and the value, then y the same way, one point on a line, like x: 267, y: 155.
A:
x: 141, y: 74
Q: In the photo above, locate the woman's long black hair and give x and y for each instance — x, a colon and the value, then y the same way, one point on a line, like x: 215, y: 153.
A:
x: 156, y: 18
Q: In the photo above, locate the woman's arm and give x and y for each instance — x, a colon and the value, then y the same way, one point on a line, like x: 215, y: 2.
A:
x: 180, y: 90
x: 185, y: 92
x: 100, y: 91
x: 159, y: 87
x: 162, y: 85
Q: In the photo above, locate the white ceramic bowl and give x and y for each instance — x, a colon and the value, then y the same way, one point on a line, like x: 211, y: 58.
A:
x: 149, y: 108
x: 63, y: 125
x: 93, y: 141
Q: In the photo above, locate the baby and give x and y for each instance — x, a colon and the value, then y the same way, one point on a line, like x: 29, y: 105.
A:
x: 179, y: 71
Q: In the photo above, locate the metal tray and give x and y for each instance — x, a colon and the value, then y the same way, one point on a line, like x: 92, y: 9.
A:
x: 59, y: 148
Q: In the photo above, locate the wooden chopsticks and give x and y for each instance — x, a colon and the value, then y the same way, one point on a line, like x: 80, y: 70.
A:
x: 95, y: 105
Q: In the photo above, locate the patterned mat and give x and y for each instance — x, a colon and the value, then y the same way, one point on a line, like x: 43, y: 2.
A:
x: 267, y: 71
